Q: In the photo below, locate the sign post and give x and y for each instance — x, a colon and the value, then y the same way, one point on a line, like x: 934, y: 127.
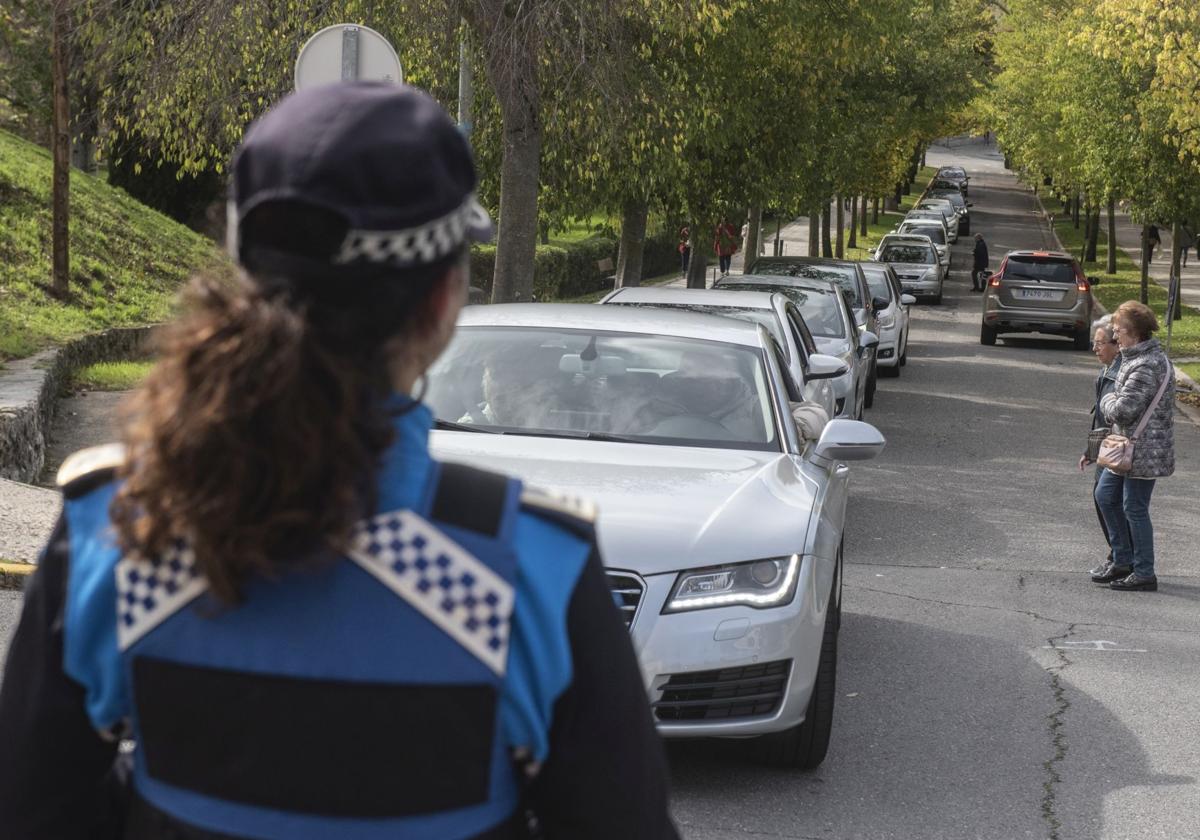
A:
x: 345, y: 52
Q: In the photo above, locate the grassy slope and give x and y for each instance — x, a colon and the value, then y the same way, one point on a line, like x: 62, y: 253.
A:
x: 1115, y: 289
x: 112, y: 376
x: 127, y: 261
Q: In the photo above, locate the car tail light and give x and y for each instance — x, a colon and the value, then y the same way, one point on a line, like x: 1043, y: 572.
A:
x: 995, y: 281
x: 1081, y: 282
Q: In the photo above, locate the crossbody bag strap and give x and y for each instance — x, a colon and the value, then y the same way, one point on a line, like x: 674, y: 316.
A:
x: 1170, y: 375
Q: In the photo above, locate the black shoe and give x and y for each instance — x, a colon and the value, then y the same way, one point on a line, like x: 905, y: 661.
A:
x: 1136, y: 583
x: 1108, y: 573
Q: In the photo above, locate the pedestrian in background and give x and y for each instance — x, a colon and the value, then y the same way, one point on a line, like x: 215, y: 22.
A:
x: 980, y: 265
x: 685, y: 249
x: 1186, y: 240
x: 1108, y: 353
x: 725, y: 244
x: 1143, y: 389
x: 307, y: 626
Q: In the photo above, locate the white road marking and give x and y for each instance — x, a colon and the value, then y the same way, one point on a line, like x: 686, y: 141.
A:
x: 1097, y: 644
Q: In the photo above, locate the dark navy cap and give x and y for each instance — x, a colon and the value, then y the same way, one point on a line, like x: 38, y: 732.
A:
x: 383, y: 159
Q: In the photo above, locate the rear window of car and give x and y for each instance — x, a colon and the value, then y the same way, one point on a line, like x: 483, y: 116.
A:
x: 1040, y: 269
x: 899, y: 252
x: 818, y: 308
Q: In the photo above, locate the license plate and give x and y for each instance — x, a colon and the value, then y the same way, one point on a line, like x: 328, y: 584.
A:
x: 1037, y: 294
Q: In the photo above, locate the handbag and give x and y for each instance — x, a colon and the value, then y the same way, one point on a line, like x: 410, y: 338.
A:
x: 1095, y: 438
x: 1116, y: 451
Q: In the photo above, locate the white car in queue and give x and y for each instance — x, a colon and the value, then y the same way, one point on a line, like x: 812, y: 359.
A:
x: 891, y: 307
x: 720, y: 524
x: 915, y: 262
x: 935, y: 229
x: 775, y: 311
x: 829, y: 315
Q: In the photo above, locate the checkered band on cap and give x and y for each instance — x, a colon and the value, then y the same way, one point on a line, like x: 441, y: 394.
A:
x: 419, y: 245
x: 151, y: 591
x: 440, y: 579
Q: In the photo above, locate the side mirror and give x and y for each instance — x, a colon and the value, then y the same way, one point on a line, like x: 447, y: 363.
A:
x: 880, y: 304
x: 821, y: 366
x: 849, y: 440
x: 907, y: 300
x: 1095, y: 281
x: 868, y: 340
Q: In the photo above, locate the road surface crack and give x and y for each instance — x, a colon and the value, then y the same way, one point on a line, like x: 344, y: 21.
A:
x: 1058, y: 736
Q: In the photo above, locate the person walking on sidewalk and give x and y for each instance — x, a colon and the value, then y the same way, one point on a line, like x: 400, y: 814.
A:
x: 1143, y: 390
x: 725, y: 244
x: 1186, y: 240
x: 685, y: 248
x: 1152, y: 244
x: 1108, y: 353
x: 980, y: 265
x: 307, y: 625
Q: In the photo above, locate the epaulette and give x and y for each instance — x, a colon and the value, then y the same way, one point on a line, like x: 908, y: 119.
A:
x: 576, y: 514
x: 87, y: 469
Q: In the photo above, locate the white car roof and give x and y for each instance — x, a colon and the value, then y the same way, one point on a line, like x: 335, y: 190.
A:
x: 627, y: 319
x: 906, y: 237
x: 696, y: 297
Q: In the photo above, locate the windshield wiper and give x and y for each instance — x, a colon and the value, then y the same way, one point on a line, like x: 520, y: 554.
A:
x: 604, y: 436
x: 450, y: 425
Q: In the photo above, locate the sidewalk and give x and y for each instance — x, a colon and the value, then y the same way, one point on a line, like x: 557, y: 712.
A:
x: 1129, y: 238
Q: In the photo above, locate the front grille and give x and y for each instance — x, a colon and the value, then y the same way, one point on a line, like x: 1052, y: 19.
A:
x: 627, y: 594
x: 749, y: 691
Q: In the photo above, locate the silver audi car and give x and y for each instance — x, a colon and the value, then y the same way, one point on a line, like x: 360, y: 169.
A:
x: 720, y: 521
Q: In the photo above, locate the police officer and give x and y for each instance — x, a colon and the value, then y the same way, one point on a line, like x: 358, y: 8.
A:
x: 305, y: 625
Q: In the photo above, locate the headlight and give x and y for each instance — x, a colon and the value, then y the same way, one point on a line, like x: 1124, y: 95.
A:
x: 887, y: 320
x: 759, y: 583
x: 930, y: 273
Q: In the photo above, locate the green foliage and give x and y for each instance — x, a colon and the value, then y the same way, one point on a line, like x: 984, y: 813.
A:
x: 111, y: 376
x: 127, y: 261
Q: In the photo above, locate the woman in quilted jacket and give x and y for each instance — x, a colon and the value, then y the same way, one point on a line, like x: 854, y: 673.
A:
x: 1124, y: 500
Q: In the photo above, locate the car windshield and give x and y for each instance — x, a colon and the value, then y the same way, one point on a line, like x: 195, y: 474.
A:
x: 941, y: 207
x: 604, y: 386
x: 1043, y: 271
x: 904, y: 252
x: 880, y: 288
x: 952, y: 172
x: 766, y: 317
x: 819, y: 308
x: 845, y: 276
x: 934, y: 232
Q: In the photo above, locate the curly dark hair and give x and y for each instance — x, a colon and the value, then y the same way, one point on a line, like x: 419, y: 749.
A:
x: 258, y: 434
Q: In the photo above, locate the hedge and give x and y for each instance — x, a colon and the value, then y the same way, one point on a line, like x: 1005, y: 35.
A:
x: 568, y: 271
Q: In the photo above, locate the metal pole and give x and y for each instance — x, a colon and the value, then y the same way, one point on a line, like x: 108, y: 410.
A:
x: 466, y: 85
x: 349, y: 53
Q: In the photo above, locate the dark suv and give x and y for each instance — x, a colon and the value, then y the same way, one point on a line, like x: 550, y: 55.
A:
x: 1038, y: 291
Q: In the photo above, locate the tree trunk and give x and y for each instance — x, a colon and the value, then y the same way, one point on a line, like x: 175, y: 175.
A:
x: 838, y: 249
x: 1144, y: 296
x: 778, y: 250
x: 875, y: 212
x: 899, y: 196
x: 863, y: 231
x: 1087, y: 221
x: 698, y: 265
x: 633, y: 244
x: 1176, y: 312
x: 1093, y: 234
x: 826, y: 247
x: 1110, y: 266
x: 814, y: 234
x: 61, y: 134
x: 513, y: 66
x: 753, y: 244
x: 852, y: 242
x: 1075, y: 211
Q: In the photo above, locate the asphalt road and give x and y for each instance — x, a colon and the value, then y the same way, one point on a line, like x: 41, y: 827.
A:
x: 972, y: 699
x: 986, y: 688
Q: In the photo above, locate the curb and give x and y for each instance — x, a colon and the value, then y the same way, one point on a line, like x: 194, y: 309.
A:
x: 14, y: 575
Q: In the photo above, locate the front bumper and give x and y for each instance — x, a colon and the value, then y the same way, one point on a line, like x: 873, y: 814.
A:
x: 731, y: 671
x: 926, y: 286
x: 888, y: 352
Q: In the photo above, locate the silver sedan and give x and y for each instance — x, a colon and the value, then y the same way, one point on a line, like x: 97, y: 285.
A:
x: 720, y: 521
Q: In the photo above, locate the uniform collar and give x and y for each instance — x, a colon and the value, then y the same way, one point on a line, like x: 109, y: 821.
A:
x: 406, y: 468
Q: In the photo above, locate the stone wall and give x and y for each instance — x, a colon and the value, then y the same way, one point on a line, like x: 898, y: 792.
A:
x: 29, y: 390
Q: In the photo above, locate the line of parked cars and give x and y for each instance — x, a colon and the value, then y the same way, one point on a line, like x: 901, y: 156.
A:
x: 688, y: 416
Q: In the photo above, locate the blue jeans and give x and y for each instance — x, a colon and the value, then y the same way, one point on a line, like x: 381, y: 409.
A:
x: 1125, y: 504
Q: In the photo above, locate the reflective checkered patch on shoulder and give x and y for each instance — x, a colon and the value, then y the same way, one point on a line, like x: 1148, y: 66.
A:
x: 151, y: 591
x: 440, y: 579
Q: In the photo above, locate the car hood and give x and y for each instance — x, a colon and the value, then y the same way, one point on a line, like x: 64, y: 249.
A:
x: 661, y: 508
x: 911, y: 268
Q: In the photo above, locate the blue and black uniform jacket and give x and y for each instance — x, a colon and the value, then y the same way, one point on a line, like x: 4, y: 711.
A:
x: 458, y: 671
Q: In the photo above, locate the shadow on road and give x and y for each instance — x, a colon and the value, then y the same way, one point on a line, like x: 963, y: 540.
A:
x: 937, y: 735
